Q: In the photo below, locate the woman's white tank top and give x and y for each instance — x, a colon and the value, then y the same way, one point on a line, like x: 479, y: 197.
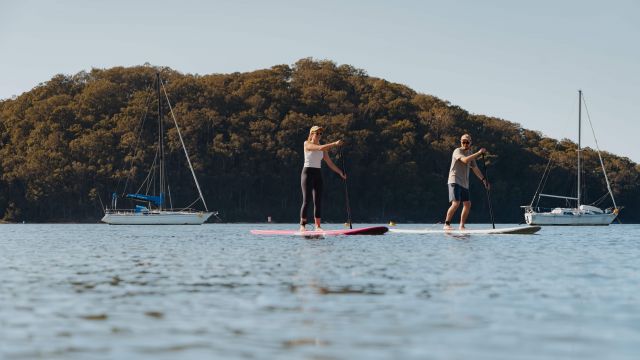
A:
x: 313, y: 159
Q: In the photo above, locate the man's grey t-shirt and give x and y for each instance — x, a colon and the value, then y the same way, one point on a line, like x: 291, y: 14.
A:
x: 459, y: 171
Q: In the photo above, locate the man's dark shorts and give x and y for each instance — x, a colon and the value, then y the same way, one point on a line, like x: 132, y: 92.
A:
x: 458, y: 193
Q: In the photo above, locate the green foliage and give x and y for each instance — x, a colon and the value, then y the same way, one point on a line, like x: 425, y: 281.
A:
x: 68, y: 143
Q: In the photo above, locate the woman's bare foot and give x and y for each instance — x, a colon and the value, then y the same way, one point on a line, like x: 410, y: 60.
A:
x: 302, y: 228
x: 447, y: 227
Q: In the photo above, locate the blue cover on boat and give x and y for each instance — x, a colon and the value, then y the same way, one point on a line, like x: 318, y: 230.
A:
x: 141, y: 209
x: 157, y: 200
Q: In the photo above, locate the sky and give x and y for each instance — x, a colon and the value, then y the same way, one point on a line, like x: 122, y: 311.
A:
x: 521, y: 61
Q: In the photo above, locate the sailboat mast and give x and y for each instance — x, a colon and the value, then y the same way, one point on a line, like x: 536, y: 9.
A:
x: 579, y: 145
x: 160, y: 142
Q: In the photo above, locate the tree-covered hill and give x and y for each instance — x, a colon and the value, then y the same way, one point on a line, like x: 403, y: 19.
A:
x: 66, y: 145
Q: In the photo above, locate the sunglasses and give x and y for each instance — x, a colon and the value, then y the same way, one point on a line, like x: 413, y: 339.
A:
x: 465, y: 142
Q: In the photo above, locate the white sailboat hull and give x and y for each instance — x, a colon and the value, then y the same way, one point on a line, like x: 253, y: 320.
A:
x: 156, y: 218
x: 577, y: 219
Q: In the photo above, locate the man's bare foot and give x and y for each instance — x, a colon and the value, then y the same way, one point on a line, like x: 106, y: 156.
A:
x: 318, y: 228
x: 302, y: 228
x: 447, y: 227
x: 462, y: 227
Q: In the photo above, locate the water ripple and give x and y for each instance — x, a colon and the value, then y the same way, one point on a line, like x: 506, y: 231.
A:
x: 215, y: 291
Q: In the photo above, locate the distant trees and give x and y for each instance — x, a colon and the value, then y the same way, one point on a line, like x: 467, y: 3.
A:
x: 68, y: 143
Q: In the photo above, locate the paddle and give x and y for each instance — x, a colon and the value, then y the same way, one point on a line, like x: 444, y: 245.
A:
x: 488, y: 191
x: 346, y: 190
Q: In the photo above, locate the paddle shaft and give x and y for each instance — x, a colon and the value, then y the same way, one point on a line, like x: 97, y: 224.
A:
x: 346, y: 190
x: 488, y: 191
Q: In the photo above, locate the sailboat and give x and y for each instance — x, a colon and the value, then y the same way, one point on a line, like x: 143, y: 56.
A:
x: 152, y: 208
x: 581, y: 214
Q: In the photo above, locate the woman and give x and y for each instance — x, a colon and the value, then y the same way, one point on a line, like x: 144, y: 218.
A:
x: 311, y: 177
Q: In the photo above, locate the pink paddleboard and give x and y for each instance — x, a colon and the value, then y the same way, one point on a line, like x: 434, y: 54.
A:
x: 373, y: 230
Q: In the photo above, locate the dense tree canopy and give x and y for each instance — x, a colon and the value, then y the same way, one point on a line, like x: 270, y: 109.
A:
x: 70, y: 142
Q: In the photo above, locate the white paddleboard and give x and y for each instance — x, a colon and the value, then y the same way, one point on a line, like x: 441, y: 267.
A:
x: 512, y: 230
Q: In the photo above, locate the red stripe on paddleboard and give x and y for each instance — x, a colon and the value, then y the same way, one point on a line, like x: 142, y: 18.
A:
x: 373, y: 230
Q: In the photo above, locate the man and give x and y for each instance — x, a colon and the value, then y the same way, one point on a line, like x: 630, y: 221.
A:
x: 458, y: 183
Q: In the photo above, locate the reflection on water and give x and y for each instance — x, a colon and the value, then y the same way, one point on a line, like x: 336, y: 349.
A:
x: 102, y: 292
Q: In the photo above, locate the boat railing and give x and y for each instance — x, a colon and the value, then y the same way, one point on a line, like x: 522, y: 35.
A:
x: 530, y: 209
x: 123, y: 211
x: 536, y: 209
x: 133, y: 211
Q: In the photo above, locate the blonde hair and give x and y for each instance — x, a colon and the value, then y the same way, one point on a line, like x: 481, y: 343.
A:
x: 311, y: 134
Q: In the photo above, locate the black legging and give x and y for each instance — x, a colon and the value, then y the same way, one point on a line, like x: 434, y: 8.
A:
x: 311, y: 183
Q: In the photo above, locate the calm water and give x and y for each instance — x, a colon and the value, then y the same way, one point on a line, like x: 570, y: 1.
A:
x: 215, y: 291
